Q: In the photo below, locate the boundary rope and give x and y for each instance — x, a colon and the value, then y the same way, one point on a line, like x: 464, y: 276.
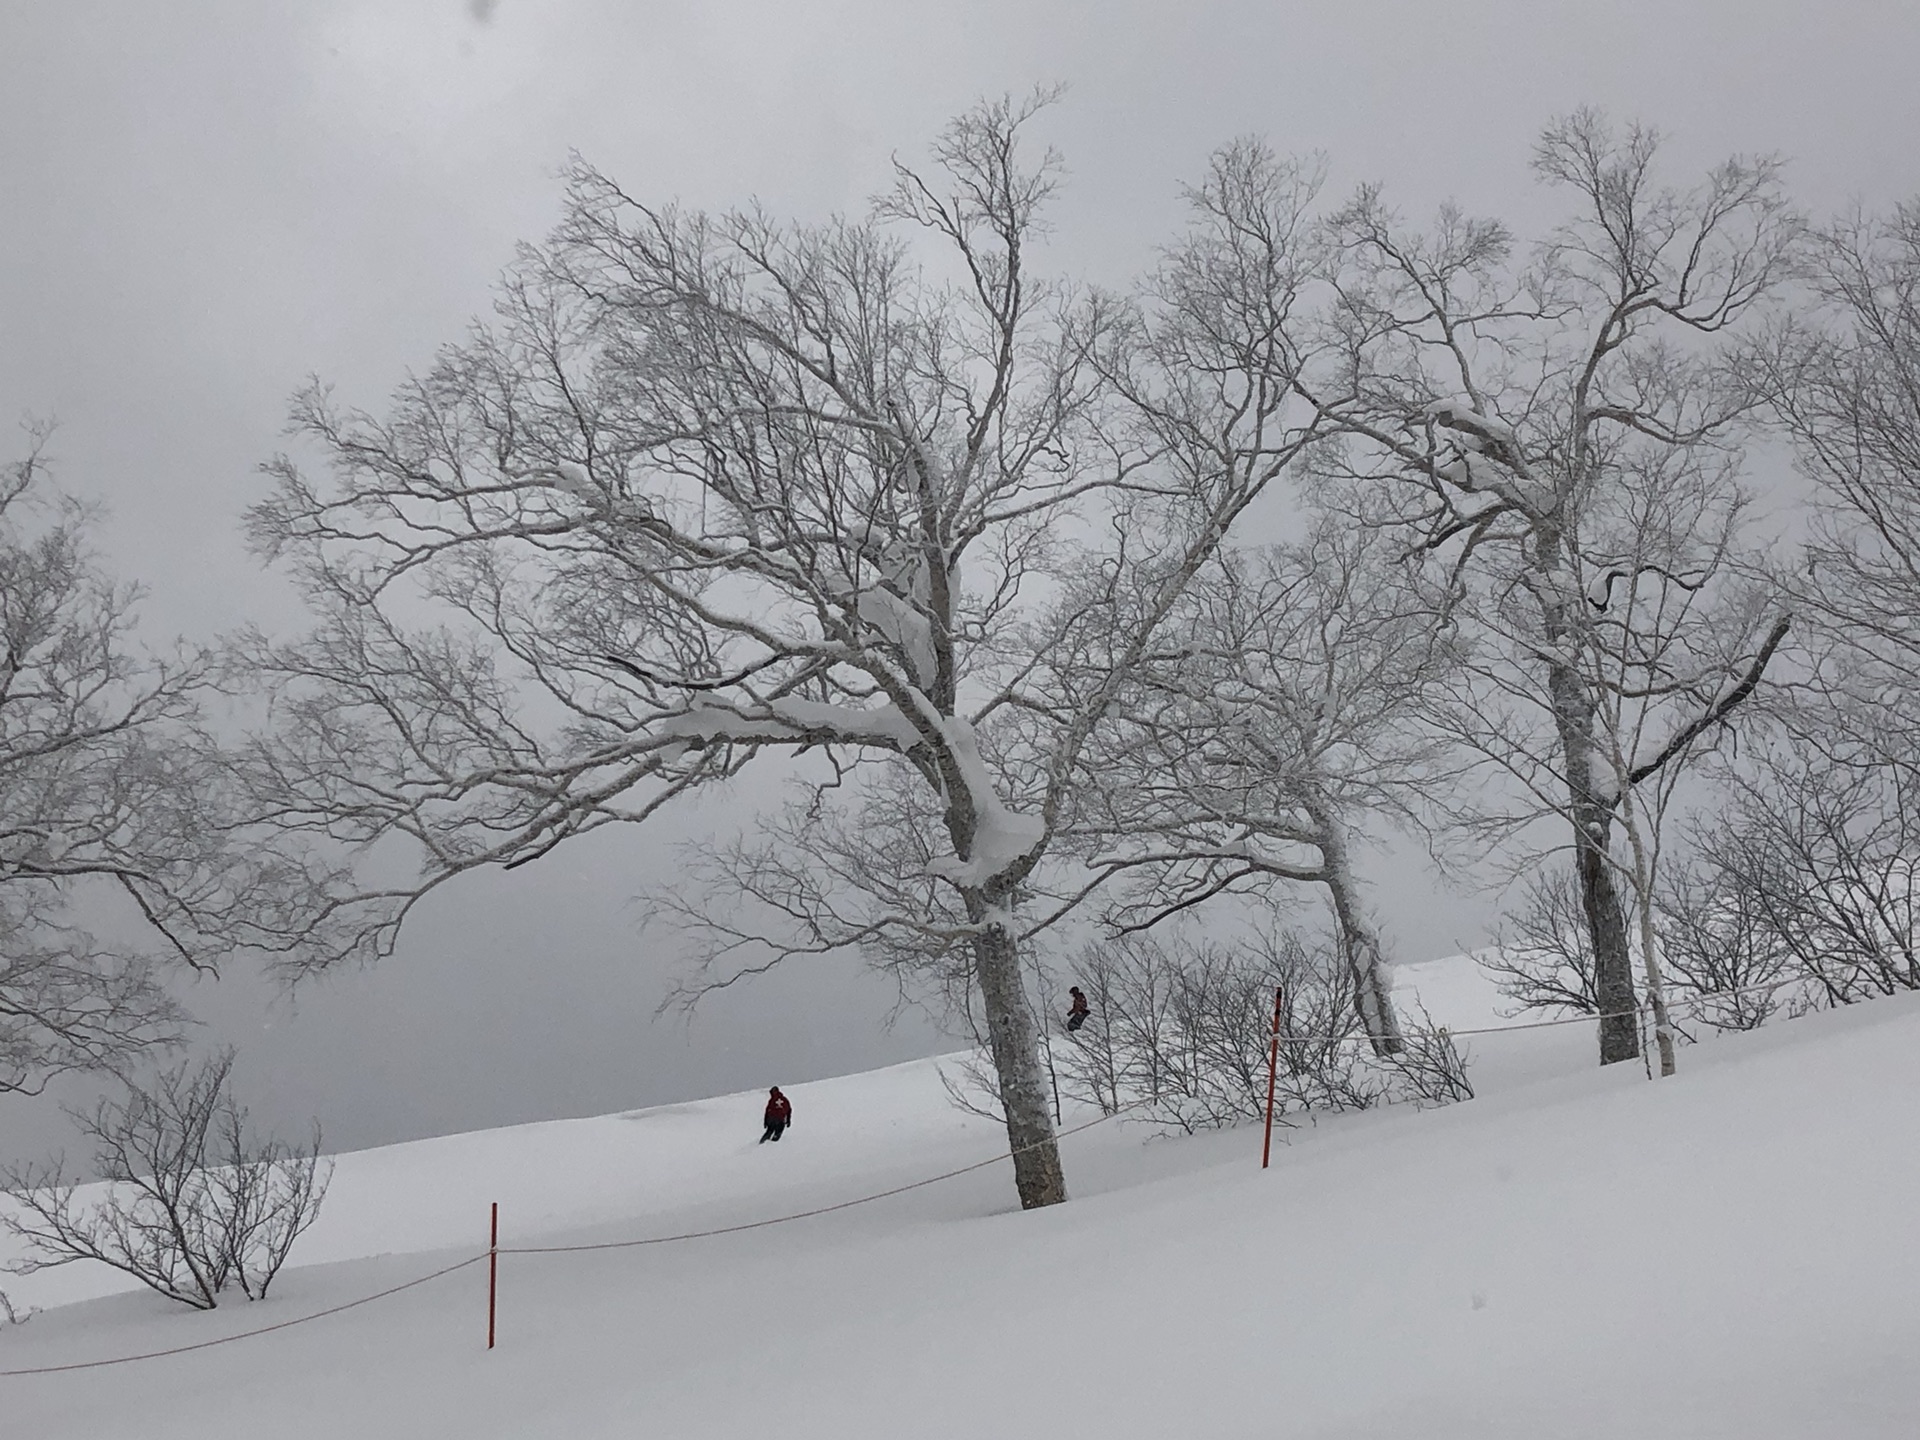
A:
x: 818, y: 1210
x: 564, y: 1250
x: 247, y: 1334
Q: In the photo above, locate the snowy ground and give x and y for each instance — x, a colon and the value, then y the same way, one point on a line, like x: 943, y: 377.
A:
x: 1576, y: 1253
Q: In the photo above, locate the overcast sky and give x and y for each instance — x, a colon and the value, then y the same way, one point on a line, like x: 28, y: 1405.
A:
x: 203, y: 203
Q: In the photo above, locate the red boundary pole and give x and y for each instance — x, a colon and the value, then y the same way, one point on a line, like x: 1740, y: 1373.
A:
x: 1273, y: 1070
x: 493, y: 1270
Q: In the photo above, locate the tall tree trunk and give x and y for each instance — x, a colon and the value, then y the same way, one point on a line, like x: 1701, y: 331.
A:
x: 1607, y: 928
x: 1015, y: 1044
x: 1372, y: 989
x: 1592, y: 819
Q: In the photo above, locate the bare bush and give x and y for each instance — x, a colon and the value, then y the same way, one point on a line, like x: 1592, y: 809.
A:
x: 191, y: 1205
x: 1731, y: 970
x: 1820, y: 853
x: 1432, y: 1068
x: 1544, y: 960
x: 1798, y: 893
x: 1714, y: 940
x: 1181, y: 1031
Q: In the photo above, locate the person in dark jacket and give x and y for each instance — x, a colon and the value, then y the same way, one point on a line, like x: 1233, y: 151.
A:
x: 779, y: 1115
x: 1076, y: 1012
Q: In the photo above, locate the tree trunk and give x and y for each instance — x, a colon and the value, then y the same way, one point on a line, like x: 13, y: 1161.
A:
x: 1372, y: 990
x: 1649, y: 941
x: 1612, y: 957
x: 1016, y: 1061
x: 1592, y: 827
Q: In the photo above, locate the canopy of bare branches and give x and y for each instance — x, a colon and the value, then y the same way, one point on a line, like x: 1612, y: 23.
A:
x: 956, y: 554
x: 115, y: 801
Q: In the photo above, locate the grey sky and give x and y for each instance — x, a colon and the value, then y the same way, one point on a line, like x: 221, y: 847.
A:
x: 201, y: 203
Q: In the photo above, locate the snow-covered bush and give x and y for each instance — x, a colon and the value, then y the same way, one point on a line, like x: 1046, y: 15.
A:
x: 1181, y: 1031
x: 191, y: 1207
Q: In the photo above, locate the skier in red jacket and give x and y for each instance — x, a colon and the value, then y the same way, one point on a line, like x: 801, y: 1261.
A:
x: 779, y: 1115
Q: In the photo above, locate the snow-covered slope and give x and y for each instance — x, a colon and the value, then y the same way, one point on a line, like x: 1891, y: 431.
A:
x: 1576, y: 1253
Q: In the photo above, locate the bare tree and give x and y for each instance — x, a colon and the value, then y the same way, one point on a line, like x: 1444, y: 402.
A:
x: 111, y: 791
x: 1562, y: 439
x: 190, y: 1203
x: 1850, y: 393
x: 714, y: 488
x: 1677, y: 636
x: 1281, y: 714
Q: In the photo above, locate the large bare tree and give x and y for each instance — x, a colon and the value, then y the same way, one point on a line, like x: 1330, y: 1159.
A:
x: 715, y: 489
x: 1560, y: 431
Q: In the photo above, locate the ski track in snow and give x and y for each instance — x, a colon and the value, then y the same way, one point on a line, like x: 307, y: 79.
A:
x: 1576, y: 1253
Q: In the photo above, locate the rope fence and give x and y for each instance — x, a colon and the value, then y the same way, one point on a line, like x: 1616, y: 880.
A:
x: 817, y: 1210
x: 493, y: 1251
x: 248, y: 1334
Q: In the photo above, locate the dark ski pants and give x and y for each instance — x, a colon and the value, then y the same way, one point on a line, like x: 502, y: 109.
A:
x: 774, y: 1129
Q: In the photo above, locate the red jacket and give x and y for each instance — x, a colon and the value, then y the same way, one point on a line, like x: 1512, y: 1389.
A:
x: 779, y: 1108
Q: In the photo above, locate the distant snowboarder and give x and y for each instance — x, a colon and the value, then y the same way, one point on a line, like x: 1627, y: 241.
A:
x: 1076, y: 1012
x: 779, y: 1115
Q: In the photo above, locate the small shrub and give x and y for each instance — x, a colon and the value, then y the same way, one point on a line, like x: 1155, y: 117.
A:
x: 192, y: 1205
x: 1180, y: 1031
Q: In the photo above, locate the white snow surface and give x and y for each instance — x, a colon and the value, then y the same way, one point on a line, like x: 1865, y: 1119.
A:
x: 1576, y: 1253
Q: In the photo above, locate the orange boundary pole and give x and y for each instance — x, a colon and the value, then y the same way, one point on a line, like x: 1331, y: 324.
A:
x: 493, y: 1270
x: 1273, y: 1070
